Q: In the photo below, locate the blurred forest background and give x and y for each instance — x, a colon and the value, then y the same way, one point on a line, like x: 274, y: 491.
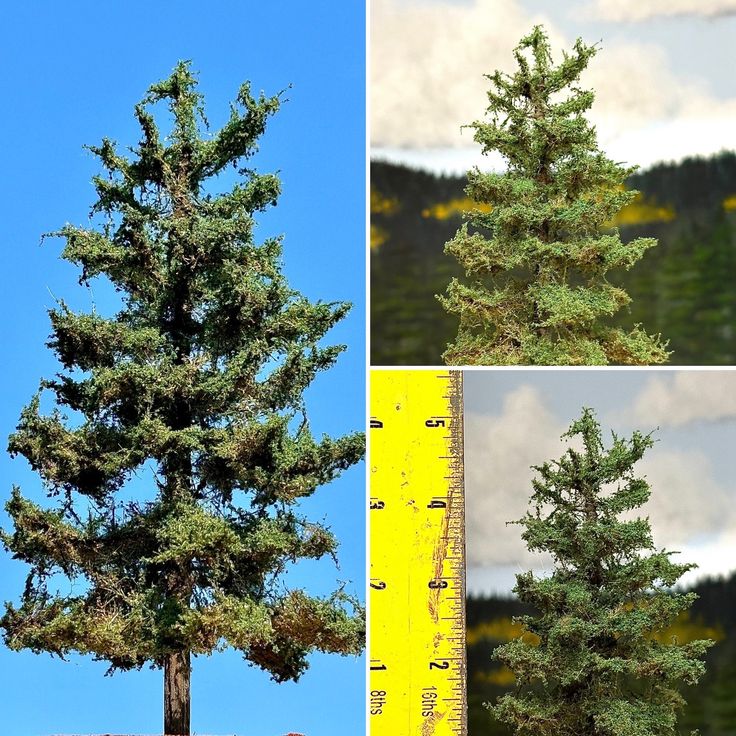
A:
x: 711, y: 704
x: 684, y: 289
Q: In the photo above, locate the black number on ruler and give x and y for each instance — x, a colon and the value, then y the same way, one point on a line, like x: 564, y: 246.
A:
x: 377, y: 584
x: 437, y: 584
x: 434, y: 422
x: 376, y: 423
x: 377, y: 504
x: 439, y: 664
x: 437, y: 503
x: 429, y: 701
x: 377, y: 665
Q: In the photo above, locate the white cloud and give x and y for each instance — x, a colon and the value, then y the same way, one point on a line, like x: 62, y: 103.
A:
x: 687, y: 503
x: 685, y: 397
x: 639, y: 10
x: 427, y: 66
x: 441, y: 160
x: 714, y: 556
x: 428, y: 59
x: 499, y: 451
x: 689, y: 510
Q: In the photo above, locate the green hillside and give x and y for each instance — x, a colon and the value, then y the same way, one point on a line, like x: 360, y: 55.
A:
x: 683, y: 288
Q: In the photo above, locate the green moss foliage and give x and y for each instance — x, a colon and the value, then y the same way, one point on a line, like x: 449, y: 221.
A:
x: 591, y: 661
x: 200, y: 376
x: 538, y: 249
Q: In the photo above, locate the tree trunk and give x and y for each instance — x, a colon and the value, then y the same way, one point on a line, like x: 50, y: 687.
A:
x: 177, y: 696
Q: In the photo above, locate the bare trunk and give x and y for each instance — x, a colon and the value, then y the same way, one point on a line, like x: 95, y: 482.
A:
x: 177, y: 698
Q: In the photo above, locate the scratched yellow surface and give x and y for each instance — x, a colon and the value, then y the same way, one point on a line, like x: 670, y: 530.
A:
x: 417, y: 544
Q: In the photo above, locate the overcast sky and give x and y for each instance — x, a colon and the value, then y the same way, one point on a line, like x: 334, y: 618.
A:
x: 514, y: 419
x: 664, y: 78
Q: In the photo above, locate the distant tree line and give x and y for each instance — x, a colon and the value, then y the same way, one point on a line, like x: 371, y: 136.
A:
x: 683, y: 288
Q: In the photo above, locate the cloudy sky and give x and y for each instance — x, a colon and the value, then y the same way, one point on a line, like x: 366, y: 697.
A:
x: 663, y: 78
x: 514, y: 419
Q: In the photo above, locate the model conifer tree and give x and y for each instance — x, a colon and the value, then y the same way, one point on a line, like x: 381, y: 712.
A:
x: 594, y: 668
x: 197, y: 383
x: 538, y: 259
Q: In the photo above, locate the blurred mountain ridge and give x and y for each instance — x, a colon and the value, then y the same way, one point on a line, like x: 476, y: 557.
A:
x: 683, y: 289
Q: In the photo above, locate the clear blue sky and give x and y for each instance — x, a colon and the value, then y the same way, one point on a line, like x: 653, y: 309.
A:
x: 71, y: 75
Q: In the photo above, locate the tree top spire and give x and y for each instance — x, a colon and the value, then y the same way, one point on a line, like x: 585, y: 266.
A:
x: 539, y: 251
x: 596, y: 663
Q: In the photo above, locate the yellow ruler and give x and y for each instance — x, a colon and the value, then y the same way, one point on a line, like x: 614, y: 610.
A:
x: 417, y: 553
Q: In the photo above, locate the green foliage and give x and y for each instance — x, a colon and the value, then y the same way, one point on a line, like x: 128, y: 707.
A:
x: 199, y: 378
x: 681, y: 289
x: 595, y: 665
x: 542, y: 244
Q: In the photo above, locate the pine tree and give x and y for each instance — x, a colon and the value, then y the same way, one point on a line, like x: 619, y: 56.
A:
x: 539, y: 257
x: 199, y: 379
x: 592, y: 666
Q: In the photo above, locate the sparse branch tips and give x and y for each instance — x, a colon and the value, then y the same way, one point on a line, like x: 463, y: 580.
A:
x: 591, y: 663
x: 537, y: 262
x: 201, y: 376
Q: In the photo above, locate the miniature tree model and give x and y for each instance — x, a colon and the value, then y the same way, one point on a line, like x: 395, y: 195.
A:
x: 596, y: 669
x: 201, y: 376
x: 539, y: 258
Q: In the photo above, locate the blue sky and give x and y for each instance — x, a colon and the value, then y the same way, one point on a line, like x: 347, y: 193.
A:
x: 72, y: 75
